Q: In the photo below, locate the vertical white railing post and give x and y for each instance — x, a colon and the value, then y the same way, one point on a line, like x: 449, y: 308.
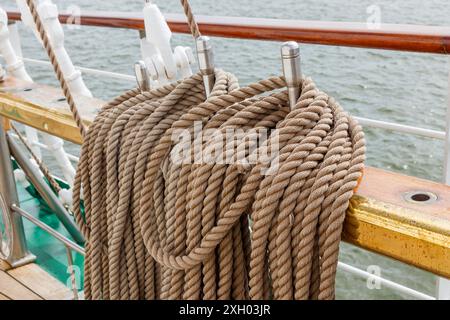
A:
x: 14, y: 38
x: 443, y: 285
x: 49, y: 15
x: 12, y: 53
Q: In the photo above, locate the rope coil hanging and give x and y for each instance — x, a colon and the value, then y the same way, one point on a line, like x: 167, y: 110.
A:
x: 161, y: 229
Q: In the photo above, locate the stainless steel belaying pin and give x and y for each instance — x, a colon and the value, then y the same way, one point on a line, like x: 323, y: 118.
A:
x: 205, y: 56
x: 290, y: 59
x: 142, y: 77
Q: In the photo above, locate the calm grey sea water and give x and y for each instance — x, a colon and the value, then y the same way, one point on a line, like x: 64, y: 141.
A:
x: 406, y: 88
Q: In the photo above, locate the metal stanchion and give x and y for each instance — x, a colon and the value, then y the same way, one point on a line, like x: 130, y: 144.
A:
x: 142, y: 77
x: 17, y: 252
x: 205, y: 57
x: 290, y: 58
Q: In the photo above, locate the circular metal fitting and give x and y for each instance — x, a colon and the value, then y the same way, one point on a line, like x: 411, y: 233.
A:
x: 420, y: 196
x: 290, y: 49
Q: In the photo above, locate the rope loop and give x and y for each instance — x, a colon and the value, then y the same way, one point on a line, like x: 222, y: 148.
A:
x: 234, y: 197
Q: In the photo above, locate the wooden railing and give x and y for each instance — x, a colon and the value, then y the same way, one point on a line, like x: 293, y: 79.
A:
x: 431, y: 39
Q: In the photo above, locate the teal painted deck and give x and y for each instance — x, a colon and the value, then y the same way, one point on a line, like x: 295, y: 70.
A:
x: 51, y: 253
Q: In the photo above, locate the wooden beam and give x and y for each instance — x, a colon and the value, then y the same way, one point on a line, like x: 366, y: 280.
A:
x: 431, y: 39
x: 383, y: 220
x: 44, y: 108
x: 379, y: 219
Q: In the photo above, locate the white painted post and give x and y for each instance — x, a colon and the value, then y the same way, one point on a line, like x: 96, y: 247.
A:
x: 443, y: 285
x: 12, y: 53
x: 49, y: 14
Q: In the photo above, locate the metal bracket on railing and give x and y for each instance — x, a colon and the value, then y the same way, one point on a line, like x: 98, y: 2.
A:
x: 290, y: 58
x: 164, y: 64
x: 205, y: 57
x: 142, y: 77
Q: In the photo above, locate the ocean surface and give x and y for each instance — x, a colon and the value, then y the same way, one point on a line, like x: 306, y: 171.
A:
x: 406, y: 88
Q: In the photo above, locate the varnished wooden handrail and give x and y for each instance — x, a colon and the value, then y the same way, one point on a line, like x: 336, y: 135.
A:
x: 430, y: 39
x: 380, y: 218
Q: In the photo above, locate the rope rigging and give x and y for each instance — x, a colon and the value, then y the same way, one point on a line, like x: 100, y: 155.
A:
x: 213, y: 222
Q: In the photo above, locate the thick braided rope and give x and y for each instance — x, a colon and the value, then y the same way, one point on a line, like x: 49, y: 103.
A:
x: 98, y: 131
x: 195, y: 31
x: 155, y: 227
x: 162, y: 229
x: 59, y: 75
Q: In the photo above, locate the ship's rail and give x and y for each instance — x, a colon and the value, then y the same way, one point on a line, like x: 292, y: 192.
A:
x: 430, y: 39
x: 380, y: 215
x: 366, y: 122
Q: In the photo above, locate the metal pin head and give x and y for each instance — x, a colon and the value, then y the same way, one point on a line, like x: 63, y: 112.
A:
x: 142, y: 77
x: 203, y: 43
x: 205, y: 56
x: 290, y: 49
x: 290, y: 58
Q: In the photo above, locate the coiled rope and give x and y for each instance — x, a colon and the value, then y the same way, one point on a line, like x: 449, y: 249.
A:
x: 161, y: 228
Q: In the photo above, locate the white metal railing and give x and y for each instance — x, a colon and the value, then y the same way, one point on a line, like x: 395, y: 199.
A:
x: 389, y: 284
x: 429, y: 133
x: 406, y: 129
x: 402, y: 128
x: 45, y: 147
x: 68, y: 244
x: 96, y: 72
